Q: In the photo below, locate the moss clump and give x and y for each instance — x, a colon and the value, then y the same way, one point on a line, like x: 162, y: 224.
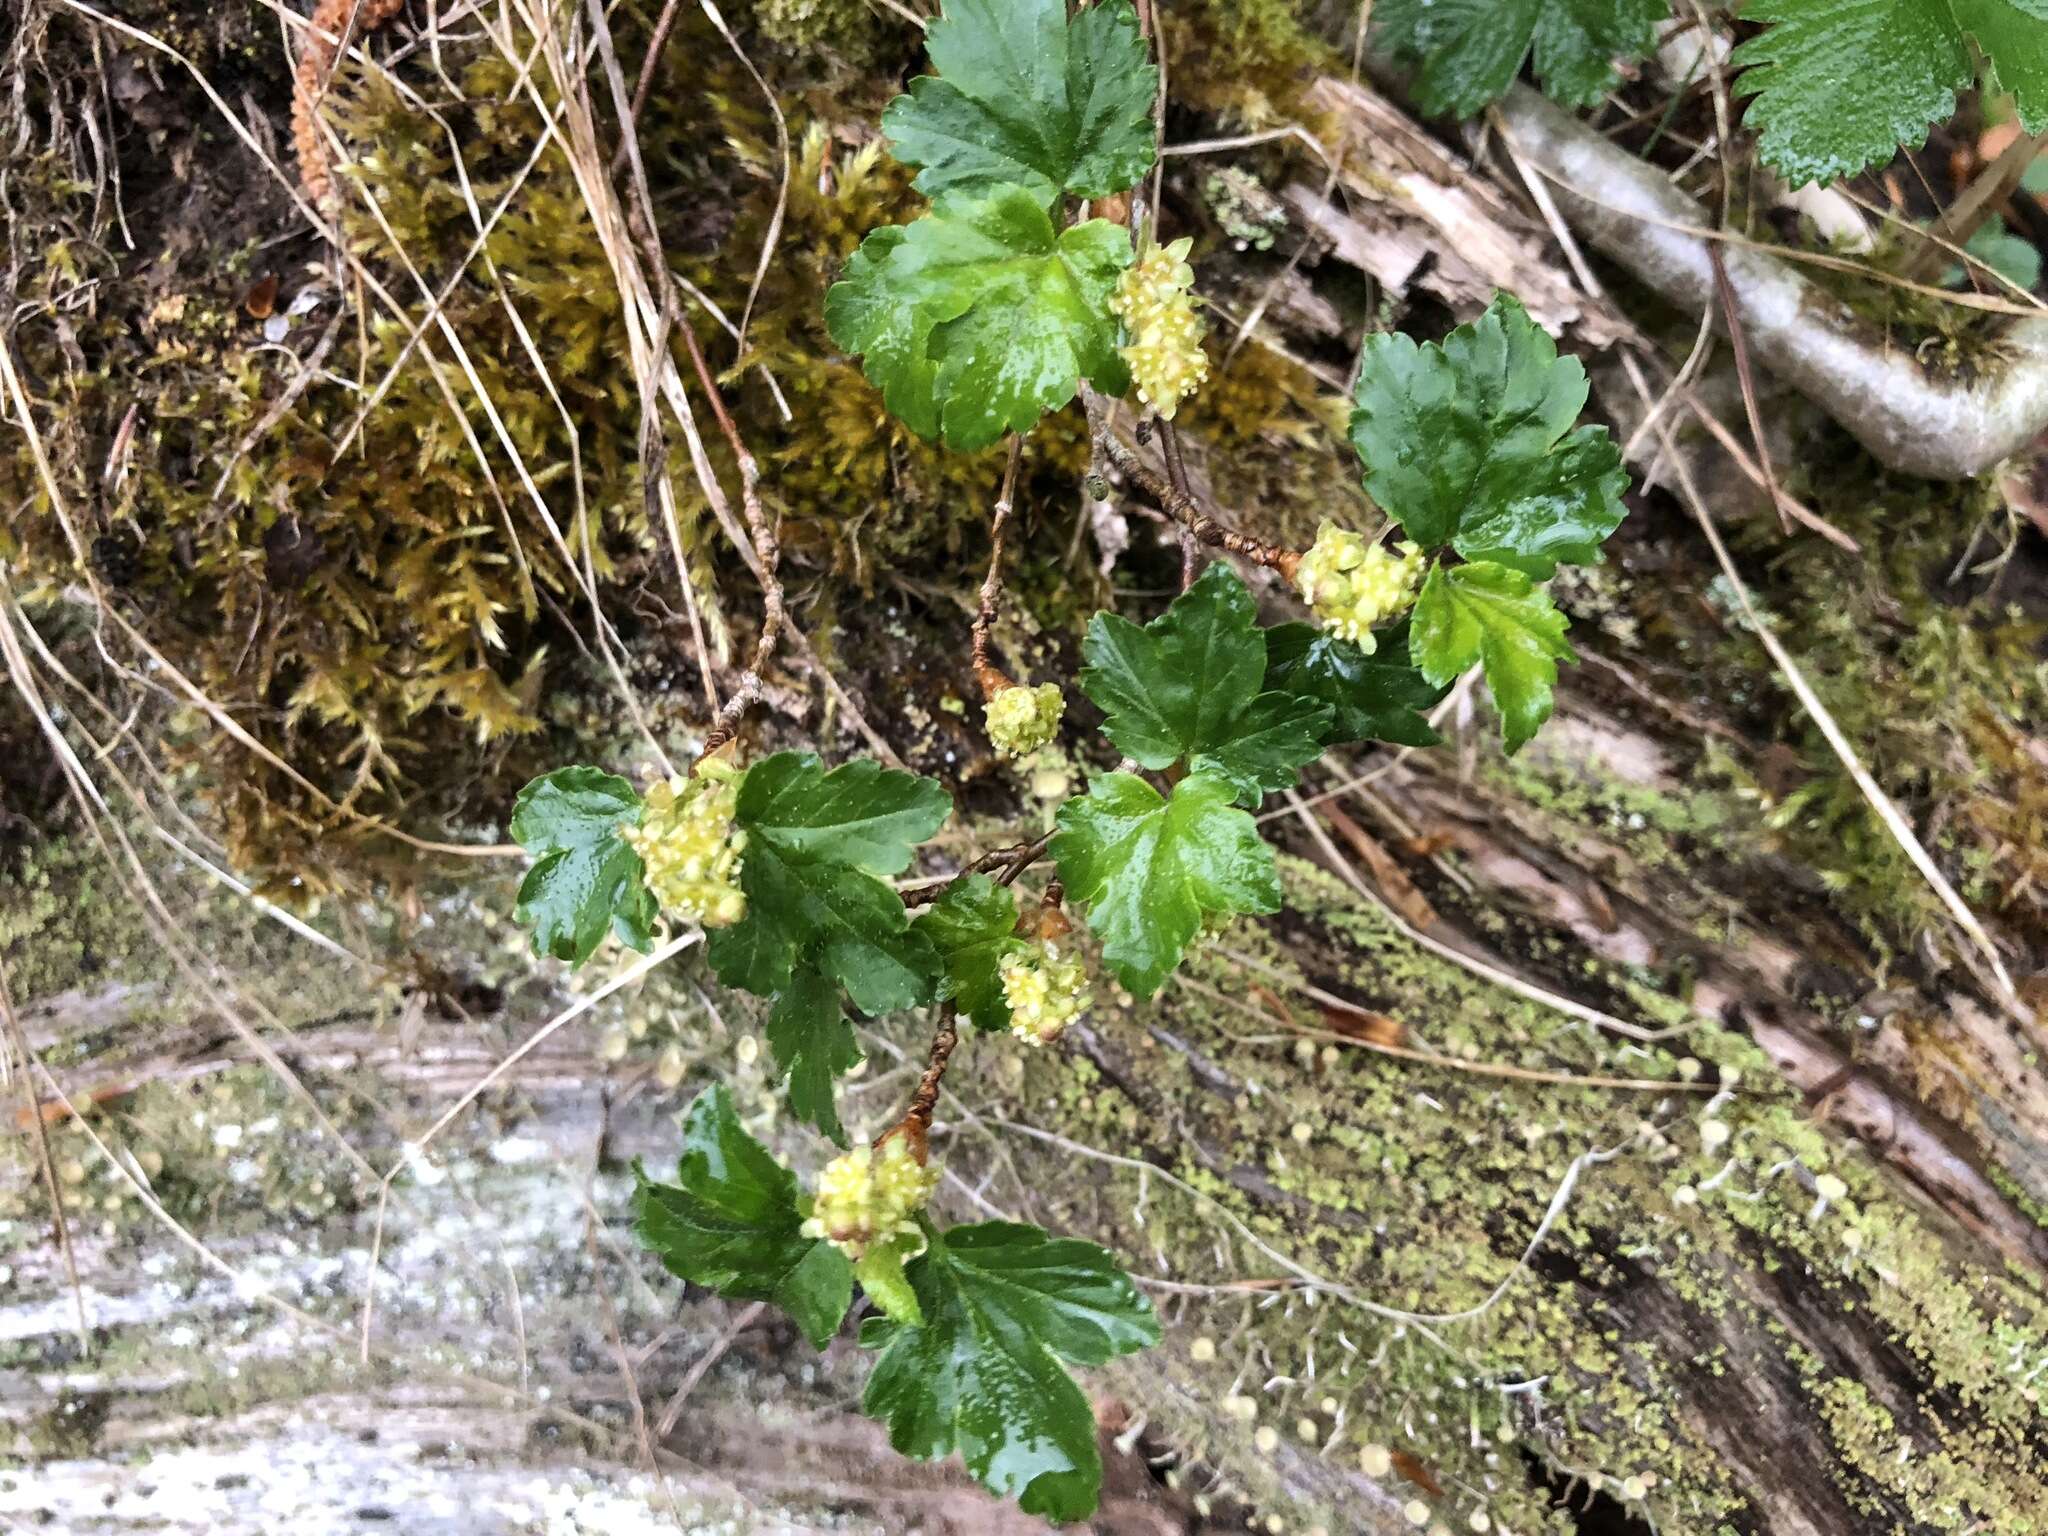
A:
x: 1935, y: 677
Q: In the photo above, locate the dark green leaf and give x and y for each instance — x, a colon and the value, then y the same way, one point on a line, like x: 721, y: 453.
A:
x: 820, y: 915
x: 1496, y: 615
x: 732, y: 1221
x: 1465, y: 444
x: 1187, y: 685
x: 973, y: 925
x: 1380, y: 697
x: 814, y: 1045
x: 1004, y: 1305
x: 1151, y: 869
x: 1841, y: 84
x: 981, y: 317
x: 1471, y: 50
x: 585, y: 880
x: 1025, y: 96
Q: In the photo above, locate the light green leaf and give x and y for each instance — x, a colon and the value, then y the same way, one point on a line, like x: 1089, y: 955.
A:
x: 973, y: 925
x: 1188, y: 686
x: 585, y: 880
x: 1025, y: 96
x: 1150, y: 869
x: 979, y: 318
x: 1380, y: 697
x: 1004, y: 1305
x: 1496, y: 615
x: 1841, y: 84
x: 1471, y: 50
x: 1465, y: 444
x: 2012, y: 257
x: 732, y: 1221
x: 820, y: 914
x: 880, y: 1273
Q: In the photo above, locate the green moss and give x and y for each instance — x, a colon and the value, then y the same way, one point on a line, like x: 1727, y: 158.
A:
x: 1932, y: 676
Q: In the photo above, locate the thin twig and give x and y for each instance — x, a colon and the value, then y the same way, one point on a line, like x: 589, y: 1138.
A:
x: 1183, y: 508
x: 17, y: 1042
x: 1881, y: 805
x: 1021, y: 855
x: 916, y: 1123
x: 1177, y: 477
x: 746, y: 1319
x: 767, y: 551
x: 991, y: 677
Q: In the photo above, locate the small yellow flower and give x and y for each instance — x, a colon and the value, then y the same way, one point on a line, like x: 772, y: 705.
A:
x: 1155, y: 301
x: 692, y: 850
x: 870, y: 1194
x: 1046, y: 988
x: 1021, y: 720
x: 1354, y: 586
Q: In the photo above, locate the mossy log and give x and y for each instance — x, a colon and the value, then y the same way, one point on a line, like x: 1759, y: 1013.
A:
x: 1612, y: 1138
x: 1423, y: 1238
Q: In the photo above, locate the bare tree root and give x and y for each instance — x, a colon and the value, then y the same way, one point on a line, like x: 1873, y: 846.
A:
x: 1911, y: 416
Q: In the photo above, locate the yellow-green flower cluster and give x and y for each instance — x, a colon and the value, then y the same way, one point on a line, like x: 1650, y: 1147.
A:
x: 870, y: 1195
x: 1021, y: 720
x: 1046, y: 988
x: 1354, y: 586
x: 691, y: 848
x: 1154, y: 299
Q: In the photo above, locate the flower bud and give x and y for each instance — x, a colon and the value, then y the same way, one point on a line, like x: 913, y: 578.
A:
x: 1021, y: 720
x: 1154, y: 300
x: 1354, y: 586
x: 869, y: 1195
x: 1046, y: 986
x: 691, y: 848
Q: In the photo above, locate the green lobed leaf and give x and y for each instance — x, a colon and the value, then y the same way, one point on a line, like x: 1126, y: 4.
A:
x: 1839, y: 85
x: 1471, y: 50
x: 1470, y: 444
x: 585, y: 879
x: 973, y: 925
x: 1003, y: 1306
x: 1496, y: 615
x: 980, y: 317
x: 1150, y: 869
x: 733, y: 1221
x: 820, y: 914
x: 1025, y: 96
x: 1188, y: 686
x: 1380, y: 697
x: 814, y: 1046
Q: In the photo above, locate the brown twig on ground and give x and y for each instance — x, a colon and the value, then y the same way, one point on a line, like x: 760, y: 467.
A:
x: 991, y: 677
x: 333, y: 24
x: 1181, y: 506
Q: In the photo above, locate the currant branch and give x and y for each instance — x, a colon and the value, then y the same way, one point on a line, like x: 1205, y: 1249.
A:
x: 1178, y: 504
